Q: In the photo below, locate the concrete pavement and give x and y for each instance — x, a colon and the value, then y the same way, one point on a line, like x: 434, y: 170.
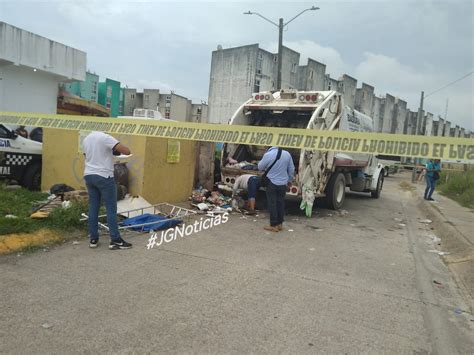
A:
x: 357, y: 280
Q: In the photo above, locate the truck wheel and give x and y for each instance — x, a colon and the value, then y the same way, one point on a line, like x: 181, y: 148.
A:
x: 32, y: 177
x: 336, y: 191
x: 376, y: 193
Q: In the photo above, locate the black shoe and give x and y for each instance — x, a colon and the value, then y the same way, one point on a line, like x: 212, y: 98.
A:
x: 93, y: 243
x: 430, y: 199
x: 119, y: 244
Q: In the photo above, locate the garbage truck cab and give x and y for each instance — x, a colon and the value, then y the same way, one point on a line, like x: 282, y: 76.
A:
x: 319, y: 174
x: 20, y: 159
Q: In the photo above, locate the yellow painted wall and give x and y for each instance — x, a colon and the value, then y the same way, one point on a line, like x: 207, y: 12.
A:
x: 149, y: 173
x: 168, y: 182
x: 62, y: 162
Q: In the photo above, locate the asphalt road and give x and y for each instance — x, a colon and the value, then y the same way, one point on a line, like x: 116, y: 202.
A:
x: 357, y: 280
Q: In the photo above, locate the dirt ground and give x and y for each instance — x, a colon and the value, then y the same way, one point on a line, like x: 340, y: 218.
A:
x: 362, y: 279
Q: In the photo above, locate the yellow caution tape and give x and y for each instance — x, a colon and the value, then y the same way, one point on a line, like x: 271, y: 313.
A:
x: 341, y: 141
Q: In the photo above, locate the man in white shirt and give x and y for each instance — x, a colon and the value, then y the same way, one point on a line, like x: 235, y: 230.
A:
x: 99, y: 149
x: 250, y: 183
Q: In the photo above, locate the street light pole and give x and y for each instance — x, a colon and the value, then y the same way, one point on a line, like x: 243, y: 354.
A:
x: 281, y: 25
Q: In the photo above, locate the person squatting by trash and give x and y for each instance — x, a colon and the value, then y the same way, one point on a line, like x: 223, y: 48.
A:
x: 250, y: 183
x: 279, y: 168
x: 433, y: 169
x: 99, y: 149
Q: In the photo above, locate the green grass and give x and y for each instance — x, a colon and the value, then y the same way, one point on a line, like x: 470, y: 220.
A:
x: 458, y: 186
x: 20, y: 203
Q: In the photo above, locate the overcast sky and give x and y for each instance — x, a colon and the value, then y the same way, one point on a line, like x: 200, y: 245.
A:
x: 399, y: 46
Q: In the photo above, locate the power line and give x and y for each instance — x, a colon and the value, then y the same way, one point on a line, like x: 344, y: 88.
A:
x: 444, y: 87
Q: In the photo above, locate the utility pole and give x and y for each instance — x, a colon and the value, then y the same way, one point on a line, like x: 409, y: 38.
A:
x: 418, y: 130
x: 281, y: 25
x: 280, y: 53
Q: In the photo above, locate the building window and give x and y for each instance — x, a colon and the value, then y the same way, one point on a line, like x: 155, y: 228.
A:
x: 294, y: 67
x: 311, y: 74
x: 275, y: 58
x: 132, y: 96
x: 168, y: 98
x: 260, y: 56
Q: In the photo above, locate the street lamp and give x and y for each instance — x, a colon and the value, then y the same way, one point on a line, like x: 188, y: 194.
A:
x: 280, y: 26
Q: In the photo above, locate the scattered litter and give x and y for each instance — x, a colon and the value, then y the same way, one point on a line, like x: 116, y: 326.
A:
x: 312, y: 249
x: 458, y: 311
x: 442, y: 253
x: 243, y: 217
x: 255, y: 220
x: 402, y: 224
x: 426, y: 221
x: 66, y: 204
x: 295, y: 219
x: 342, y: 212
x: 13, y: 187
x: 435, y: 239
x: 352, y: 225
x: 76, y: 242
x: 202, y: 206
x: 131, y: 203
x: 10, y: 216
x: 330, y: 214
x: 439, y: 284
x: 290, y: 230
x: 398, y: 220
x: 46, y: 325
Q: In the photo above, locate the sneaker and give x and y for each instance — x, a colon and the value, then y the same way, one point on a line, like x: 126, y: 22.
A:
x: 93, y: 243
x: 119, y: 244
x: 271, y: 228
x: 430, y: 199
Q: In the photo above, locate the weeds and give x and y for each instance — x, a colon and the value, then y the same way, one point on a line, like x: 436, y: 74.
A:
x: 458, y: 186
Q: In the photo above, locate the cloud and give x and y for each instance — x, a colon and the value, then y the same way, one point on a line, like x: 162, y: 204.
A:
x: 388, y: 75
x: 327, y: 55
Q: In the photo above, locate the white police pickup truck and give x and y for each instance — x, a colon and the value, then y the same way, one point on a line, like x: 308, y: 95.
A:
x: 20, y: 159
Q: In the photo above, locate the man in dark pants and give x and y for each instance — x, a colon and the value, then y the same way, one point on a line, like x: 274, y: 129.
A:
x: 99, y: 149
x: 279, y: 175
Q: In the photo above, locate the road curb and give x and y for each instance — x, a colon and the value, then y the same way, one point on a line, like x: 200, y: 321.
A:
x: 461, y: 250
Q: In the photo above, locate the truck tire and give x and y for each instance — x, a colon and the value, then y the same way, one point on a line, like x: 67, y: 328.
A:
x: 336, y: 191
x: 376, y: 193
x: 32, y: 177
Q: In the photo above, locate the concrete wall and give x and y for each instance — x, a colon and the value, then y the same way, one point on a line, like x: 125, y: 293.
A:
x: 167, y: 182
x: 289, y: 68
x: 387, y: 109
x: 429, y: 124
x: 399, y: 116
x: 265, y: 73
x: 232, y: 80
x: 22, y: 89
x: 23, y: 48
x: 129, y: 96
x: 199, y: 113
x: 364, y: 99
x: 312, y: 76
x: 440, y: 127
x: 180, y: 108
x: 150, y: 175
x: 447, y: 129
x: 349, y: 89
x: 151, y: 99
x: 377, y: 114
x: 411, y: 122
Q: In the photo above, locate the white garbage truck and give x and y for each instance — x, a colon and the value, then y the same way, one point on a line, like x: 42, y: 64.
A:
x: 319, y: 174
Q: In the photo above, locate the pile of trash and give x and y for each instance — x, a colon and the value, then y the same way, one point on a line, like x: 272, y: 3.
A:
x: 244, y: 165
x: 216, y: 201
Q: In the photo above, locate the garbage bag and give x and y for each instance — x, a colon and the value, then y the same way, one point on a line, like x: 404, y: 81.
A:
x: 162, y: 222
x: 59, y: 189
x: 121, y: 174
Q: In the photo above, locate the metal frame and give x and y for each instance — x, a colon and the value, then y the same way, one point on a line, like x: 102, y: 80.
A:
x: 162, y: 209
